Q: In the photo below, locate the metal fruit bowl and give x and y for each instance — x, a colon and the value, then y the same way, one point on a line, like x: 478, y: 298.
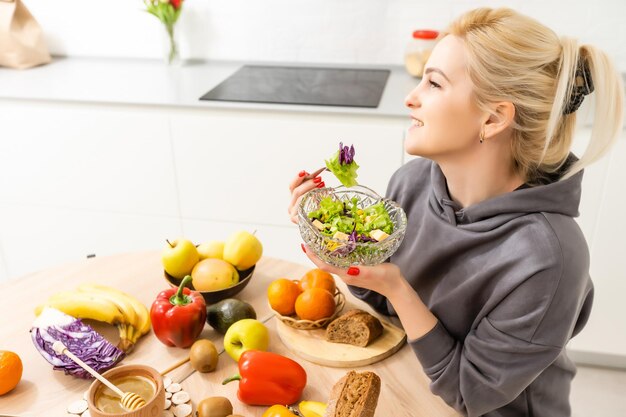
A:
x: 365, y: 253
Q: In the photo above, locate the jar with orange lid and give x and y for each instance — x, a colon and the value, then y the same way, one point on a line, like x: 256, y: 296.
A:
x: 418, y: 51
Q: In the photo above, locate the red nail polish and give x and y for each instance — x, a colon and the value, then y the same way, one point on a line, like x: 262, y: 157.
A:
x: 317, y: 179
x: 321, y: 185
x: 303, y: 247
x: 301, y: 173
x: 353, y: 270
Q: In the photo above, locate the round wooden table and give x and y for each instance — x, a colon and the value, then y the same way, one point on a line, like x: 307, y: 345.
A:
x: 44, y: 392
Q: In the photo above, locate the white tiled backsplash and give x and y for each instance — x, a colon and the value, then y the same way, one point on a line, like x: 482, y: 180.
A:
x: 323, y: 31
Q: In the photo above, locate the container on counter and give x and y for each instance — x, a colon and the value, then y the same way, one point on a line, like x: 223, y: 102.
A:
x: 418, y: 51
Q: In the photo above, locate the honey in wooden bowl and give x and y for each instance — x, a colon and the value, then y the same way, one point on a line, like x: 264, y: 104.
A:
x: 140, y: 379
x: 108, y: 401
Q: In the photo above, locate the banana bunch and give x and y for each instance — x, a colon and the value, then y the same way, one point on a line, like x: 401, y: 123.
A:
x: 101, y: 303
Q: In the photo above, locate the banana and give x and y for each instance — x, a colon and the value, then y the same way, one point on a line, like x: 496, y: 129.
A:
x: 106, y: 304
x: 84, y: 306
x: 122, y: 302
x: 142, y: 323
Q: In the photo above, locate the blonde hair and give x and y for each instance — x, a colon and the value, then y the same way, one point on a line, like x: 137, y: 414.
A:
x: 512, y: 57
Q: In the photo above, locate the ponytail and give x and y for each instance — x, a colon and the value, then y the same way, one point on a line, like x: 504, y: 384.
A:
x: 608, y: 107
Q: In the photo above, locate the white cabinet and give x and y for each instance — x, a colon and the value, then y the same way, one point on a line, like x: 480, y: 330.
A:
x: 77, y: 180
x: 115, y: 160
x: 236, y: 166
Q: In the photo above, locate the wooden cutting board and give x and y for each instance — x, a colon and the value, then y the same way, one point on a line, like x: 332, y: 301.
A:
x: 313, y: 347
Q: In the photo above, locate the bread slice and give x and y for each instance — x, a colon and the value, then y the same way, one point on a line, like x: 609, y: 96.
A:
x: 355, y: 327
x: 354, y: 395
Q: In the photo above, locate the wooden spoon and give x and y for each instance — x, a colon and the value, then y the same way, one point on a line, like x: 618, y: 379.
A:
x: 129, y: 400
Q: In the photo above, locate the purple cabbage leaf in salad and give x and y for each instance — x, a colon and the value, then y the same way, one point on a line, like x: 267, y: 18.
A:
x: 343, y: 166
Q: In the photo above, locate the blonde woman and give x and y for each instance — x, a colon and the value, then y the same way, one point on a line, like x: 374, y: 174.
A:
x: 492, y: 279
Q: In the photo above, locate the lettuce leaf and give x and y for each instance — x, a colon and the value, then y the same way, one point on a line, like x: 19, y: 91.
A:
x: 343, y: 165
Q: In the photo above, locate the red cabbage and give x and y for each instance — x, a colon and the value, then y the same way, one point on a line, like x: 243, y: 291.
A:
x: 346, y: 155
x: 79, y: 338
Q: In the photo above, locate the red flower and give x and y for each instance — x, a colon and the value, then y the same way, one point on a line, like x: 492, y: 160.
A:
x: 176, y: 3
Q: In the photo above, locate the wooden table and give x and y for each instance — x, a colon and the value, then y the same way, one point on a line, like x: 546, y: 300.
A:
x: 44, y: 392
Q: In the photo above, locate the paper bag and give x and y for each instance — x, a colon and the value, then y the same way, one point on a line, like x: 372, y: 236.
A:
x: 21, y: 39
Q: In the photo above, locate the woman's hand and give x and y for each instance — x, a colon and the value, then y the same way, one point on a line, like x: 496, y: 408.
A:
x: 298, y: 187
x: 384, y: 278
x: 387, y: 280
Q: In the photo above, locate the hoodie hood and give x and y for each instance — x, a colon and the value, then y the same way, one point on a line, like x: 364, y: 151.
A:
x: 560, y: 197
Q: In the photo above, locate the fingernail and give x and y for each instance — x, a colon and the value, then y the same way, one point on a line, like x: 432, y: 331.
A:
x: 303, y: 247
x: 353, y: 270
x: 301, y: 173
x: 317, y: 179
x: 321, y: 185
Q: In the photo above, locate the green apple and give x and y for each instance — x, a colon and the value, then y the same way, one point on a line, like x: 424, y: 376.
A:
x: 211, y: 249
x: 244, y: 335
x: 179, y: 257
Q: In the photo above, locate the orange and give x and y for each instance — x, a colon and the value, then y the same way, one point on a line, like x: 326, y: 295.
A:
x: 316, y: 278
x: 10, y: 371
x: 282, y: 294
x: 315, y: 304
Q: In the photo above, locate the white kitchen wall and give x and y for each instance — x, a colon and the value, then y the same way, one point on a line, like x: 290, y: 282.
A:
x: 321, y: 31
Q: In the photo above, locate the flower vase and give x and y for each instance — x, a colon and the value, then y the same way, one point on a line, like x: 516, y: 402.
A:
x: 172, y: 54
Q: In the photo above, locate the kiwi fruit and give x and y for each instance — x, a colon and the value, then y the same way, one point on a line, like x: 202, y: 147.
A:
x: 214, y: 407
x: 203, y: 356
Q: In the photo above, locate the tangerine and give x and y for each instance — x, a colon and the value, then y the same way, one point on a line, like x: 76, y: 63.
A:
x: 282, y: 294
x: 316, y: 278
x: 315, y: 304
x: 10, y: 371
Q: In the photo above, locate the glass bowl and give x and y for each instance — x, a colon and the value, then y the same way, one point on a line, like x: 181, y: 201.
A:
x: 329, y: 249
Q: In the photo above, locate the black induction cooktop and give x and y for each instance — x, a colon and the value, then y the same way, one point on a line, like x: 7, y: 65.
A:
x: 303, y: 85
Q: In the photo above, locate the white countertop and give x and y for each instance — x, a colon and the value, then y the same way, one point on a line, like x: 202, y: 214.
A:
x: 153, y: 83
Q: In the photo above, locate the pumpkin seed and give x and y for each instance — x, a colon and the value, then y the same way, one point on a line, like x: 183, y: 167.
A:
x: 77, y: 407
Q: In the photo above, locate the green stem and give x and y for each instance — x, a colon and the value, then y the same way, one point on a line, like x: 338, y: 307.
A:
x: 173, y: 48
x: 180, y: 299
x: 235, y: 377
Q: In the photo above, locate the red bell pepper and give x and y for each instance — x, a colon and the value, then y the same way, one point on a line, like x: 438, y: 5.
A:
x: 178, y: 315
x: 267, y: 378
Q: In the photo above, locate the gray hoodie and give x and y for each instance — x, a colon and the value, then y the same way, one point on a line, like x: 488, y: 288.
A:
x: 508, y: 279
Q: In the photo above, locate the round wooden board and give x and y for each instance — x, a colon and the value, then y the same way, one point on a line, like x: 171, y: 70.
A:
x: 313, y: 347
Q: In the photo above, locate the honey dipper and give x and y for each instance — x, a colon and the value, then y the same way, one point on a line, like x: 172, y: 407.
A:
x: 129, y: 400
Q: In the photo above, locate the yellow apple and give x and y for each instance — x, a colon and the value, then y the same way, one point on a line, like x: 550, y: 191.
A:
x: 179, y: 257
x: 243, y: 250
x: 211, y: 249
x: 213, y: 274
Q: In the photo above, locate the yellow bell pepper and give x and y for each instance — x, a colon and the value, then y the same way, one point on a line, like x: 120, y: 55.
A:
x: 278, y: 411
x: 312, y: 408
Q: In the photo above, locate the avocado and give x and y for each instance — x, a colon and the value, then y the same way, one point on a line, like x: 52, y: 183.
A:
x: 223, y: 314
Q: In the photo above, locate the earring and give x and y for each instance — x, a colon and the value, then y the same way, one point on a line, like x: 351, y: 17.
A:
x: 482, y: 136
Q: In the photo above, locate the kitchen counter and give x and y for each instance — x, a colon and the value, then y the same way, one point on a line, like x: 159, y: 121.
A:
x: 153, y: 83
x: 45, y: 392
